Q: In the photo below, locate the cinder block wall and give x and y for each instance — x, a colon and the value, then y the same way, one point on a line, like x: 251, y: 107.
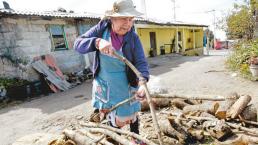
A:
x: 25, y: 38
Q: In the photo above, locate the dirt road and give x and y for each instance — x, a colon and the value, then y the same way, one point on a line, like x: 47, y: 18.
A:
x: 181, y: 75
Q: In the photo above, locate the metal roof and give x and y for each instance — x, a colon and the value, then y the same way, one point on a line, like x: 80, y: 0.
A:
x: 48, y: 14
x: 57, y: 14
x: 164, y: 23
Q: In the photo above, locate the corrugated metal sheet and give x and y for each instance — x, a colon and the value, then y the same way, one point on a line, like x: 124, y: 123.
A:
x: 159, y: 22
x: 89, y: 15
x: 48, y: 14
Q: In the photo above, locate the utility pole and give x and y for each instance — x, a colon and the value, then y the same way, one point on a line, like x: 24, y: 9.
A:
x: 143, y: 8
x: 174, y: 8
x: 214, y: 24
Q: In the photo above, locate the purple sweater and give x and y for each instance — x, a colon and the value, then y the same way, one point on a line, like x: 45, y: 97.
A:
x: 131, y: 48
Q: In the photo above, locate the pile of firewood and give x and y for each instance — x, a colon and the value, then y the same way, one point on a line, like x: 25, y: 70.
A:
x: 224, y: 121
x: 182, y: 120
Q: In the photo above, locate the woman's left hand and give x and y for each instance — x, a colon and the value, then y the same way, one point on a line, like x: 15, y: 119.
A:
x: 140, y: 94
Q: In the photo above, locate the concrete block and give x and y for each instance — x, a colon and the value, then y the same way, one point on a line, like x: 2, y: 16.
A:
x: 2, y: 44
x: 53, y: 21
x: 24, y: 43
x: 27, y: 35
x: 45, y: 45
x: 25, y: 51
x: 9, y: 35
x: 74, y: 63
x: 37, y: 28
x: 22, y: 28
x: 6, y: 27
x: 44, y: 35
x: 22, y: 21
x: 10, y: 43
x: 10, y: 20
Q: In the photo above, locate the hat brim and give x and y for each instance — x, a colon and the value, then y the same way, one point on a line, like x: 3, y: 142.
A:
x: 132, y: 13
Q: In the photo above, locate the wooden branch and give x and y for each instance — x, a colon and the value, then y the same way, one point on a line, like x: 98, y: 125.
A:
x: 255, y: 132
x: 94, y: 125
x: 96, y: 139
x: 180, y: 126
x: 238, y: 106
x: 250, y: 113
x: 111, y: 134
x: 121, y: 103
x: 218, y: 129
x: 223, y: 108
x: 194, y: 97
x: 78, y: 138
x: 168, y: 130
x: 239, y: 139
x: 96, y: 116
x: 157, y: 103
x: 205, y: 114
x: 139, y: 75
x: 179, y: 103
x: 210, y: 107
x: 250, y: 122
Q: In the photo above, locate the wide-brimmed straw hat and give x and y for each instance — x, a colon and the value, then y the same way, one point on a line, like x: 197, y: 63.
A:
x: 123, y: 8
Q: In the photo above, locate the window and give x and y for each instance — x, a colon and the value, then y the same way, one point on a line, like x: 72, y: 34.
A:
x: 58, y: 37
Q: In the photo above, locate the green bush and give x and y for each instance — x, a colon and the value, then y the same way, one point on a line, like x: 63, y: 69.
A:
x: 239, y: 59
x: 7, y: 82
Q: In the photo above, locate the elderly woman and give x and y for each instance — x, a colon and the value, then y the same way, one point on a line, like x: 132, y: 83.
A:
x: 113, y: 80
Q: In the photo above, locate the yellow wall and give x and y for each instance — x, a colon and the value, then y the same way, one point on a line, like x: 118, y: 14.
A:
x: 166, y: 35
x: 163, y: 36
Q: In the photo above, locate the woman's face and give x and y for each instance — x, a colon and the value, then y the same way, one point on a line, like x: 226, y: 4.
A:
x: 121, y: 25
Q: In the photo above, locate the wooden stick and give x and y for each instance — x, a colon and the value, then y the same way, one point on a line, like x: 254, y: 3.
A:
x: 117, y: 105
x: 194, y: 97
x: 228, y: 123
x: 111, y: 134
x: 238, y: 106
x: 249, y: 122
x: 168, y: 130
x: 78, y: 138
x: 96, y: 139
x: 95, y: 125
x: 121, y: 103
x: 152, y: 109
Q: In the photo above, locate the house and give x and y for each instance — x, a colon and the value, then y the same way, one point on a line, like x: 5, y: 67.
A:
x: 161, y: 37
x: 25, y: 35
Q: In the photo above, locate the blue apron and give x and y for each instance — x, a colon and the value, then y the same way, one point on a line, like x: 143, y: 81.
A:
x: 111, y: 85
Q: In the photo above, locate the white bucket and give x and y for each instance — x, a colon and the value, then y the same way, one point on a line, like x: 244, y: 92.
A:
x: 254, y: 70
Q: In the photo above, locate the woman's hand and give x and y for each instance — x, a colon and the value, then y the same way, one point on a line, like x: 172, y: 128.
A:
x: 140, y: 94
x: 104, y: 46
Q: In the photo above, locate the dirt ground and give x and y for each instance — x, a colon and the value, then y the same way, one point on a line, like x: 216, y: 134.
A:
x: 202, y: 75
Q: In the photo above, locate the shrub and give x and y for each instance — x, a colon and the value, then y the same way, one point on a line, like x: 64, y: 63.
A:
x: 240, y: 59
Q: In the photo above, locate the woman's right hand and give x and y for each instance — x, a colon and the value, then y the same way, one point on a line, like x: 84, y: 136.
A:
x: 104, y: 46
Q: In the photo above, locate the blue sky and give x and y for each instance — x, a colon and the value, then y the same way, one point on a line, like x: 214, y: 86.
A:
x: 192, y: 11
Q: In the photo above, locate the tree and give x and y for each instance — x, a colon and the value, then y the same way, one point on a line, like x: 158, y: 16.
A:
x: 239, y: 22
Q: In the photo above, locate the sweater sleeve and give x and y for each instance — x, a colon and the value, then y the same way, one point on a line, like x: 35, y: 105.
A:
x: 86, y: 42
x: 140, y: 59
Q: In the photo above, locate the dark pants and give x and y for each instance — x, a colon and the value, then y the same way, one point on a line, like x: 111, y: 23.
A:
x: 134, y: 127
